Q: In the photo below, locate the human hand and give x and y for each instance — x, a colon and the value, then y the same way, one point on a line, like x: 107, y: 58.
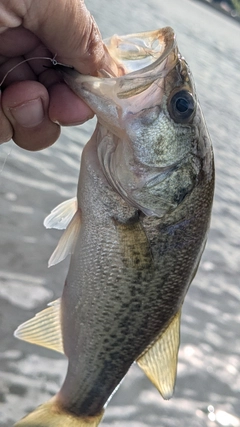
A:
x: 34, y: 102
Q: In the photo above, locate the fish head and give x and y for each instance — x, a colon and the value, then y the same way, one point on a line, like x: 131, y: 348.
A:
x: 153, y: 143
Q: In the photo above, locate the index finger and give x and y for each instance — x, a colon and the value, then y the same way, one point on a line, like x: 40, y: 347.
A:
x: 82, y: 47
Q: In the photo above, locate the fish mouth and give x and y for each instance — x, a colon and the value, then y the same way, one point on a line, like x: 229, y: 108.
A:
x: 140, y: 51
x: 144, y: 58
x: 141, y: 59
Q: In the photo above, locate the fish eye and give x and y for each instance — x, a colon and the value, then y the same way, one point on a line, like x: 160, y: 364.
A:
x: 181, y: 106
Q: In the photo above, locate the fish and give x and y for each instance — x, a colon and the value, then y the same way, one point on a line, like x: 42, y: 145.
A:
x: 136, y: 230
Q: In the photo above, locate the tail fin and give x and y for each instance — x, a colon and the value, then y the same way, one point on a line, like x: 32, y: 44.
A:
x: 50, y: 414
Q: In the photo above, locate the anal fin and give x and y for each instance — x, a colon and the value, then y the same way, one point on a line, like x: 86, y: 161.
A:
x: 159, y: 362
x: 44, y: 328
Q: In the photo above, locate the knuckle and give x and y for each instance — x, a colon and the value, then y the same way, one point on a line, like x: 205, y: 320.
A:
x: 91, y: 48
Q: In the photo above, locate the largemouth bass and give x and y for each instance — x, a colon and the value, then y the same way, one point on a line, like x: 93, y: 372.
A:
x: 136, y: 231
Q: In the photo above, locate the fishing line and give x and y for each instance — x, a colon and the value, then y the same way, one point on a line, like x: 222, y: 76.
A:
x: 5, y: 160
x: 54, y: 63
x: 52, y: 60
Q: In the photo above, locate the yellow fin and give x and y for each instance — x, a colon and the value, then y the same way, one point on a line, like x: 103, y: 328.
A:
x: 159, y: 362
x: 44, y: 328
x: 50, y: 414
x: 62, y: 214
x: 67, y: 241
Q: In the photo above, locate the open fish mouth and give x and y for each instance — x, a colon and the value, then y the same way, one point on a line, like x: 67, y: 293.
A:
x: 141, y: 59
x: 136, y: 52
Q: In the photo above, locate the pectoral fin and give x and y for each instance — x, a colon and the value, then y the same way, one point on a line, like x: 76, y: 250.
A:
x: 67, y: 241
x: 44, y: 329
x: 159, y: 362
x: 62, y: 214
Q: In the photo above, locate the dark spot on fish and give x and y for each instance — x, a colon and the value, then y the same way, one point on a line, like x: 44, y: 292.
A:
x: 180, y: 195
x: 124, y: 306
x: 113, y: 336
x: 121, y: 339
x: 136, y: 306
x: 133, y: 291
x: 138, y: 276
x: 114, y: 355
x: 178, y: 226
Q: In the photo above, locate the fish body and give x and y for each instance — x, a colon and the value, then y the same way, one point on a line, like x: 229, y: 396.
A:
x: 141, y: 219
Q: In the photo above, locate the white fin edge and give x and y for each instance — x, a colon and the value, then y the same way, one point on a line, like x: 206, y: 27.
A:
x: 67, y: 241
x: 44, y: 328
x: 159, y: 362
x: 62, y: 214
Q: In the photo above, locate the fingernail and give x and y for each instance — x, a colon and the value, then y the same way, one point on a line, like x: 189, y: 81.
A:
x: 70, y: 123
x: 29, y: 114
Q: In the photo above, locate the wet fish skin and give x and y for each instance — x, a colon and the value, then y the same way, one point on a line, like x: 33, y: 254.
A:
x: 144, y: 196
x: 130, y: 295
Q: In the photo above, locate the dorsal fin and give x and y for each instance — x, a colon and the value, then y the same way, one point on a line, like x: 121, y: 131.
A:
x: 44, y: 328
x: 159, y: 362
x: 62, y: 214
x: 67, y: 241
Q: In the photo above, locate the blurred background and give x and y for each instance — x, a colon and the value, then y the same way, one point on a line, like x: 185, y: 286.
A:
x: 228, y: 7
x: 31, y: 184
